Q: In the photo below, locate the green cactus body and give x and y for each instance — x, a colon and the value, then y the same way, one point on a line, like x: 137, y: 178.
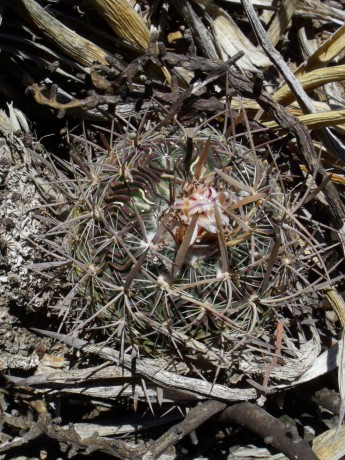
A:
x: 161, y: 250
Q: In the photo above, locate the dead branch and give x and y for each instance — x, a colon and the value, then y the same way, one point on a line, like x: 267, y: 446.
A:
x: 283, y: 438
x: 67, y: 438
x: 327, y: 137
x: 158, y: 375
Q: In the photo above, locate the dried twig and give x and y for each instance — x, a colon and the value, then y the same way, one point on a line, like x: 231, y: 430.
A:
x: 212, y: 76
x: 195, y: 417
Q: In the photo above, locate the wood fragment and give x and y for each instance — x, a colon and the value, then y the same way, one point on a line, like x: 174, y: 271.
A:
x: 281, y: 20
x: 330, y: 444
x: 305, y: 9
x: 157, y: 375
x: 78, y: 48
x: 337, y: 303
x: 316, y: 121
x: 311, y: 80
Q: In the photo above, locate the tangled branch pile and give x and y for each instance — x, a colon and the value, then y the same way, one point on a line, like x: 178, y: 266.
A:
x: 185, y: 228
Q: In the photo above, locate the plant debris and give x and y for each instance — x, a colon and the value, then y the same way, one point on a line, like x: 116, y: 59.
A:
x: 172, y: 228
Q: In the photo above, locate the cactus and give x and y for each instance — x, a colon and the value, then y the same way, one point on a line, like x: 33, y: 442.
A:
x: 169, y: 246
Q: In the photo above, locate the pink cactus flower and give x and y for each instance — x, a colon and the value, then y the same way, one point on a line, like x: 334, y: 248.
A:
x: 202, y: 202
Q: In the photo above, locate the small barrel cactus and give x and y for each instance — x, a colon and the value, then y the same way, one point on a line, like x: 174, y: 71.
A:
x: 186, y: 248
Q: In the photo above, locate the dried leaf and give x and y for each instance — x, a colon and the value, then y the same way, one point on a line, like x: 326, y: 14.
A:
x: 318, y: 120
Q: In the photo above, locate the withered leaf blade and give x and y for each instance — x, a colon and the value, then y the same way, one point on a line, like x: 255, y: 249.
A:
x: 125, y: 22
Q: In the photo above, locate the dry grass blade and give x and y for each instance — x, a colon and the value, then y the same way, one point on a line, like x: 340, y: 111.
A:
x: 230, y: 39
x: 311, y: 80
x: 78, y: 48
x: 317, y: 120
x: 337, y: 303
x: 125, y: 22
